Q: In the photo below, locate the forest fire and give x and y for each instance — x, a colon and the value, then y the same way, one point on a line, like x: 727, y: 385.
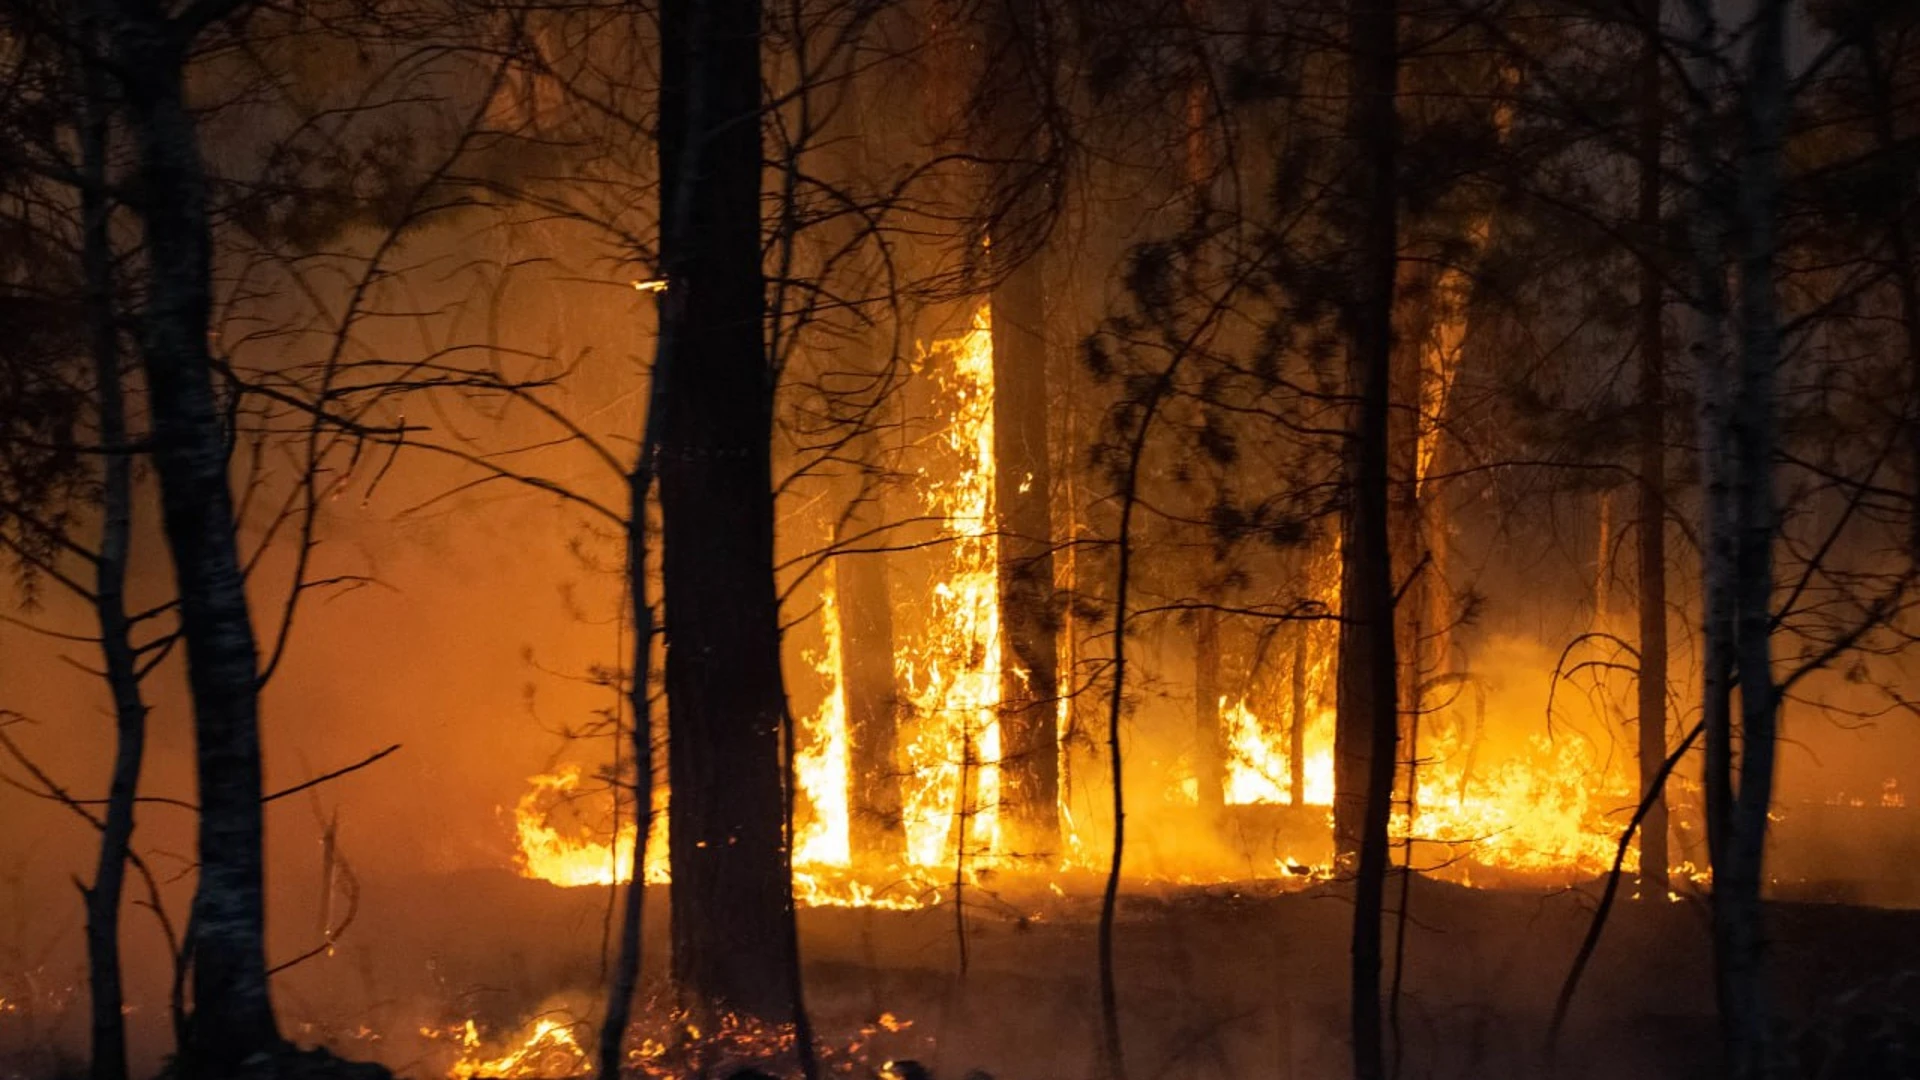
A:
x: 654, y: 541
x: 668, y: 1045
x: 952, y: 677
x: 1547, y: 810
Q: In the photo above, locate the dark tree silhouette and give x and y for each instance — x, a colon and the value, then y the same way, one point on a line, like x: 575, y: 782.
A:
x: 1367, y: 717
x: 730, y: 899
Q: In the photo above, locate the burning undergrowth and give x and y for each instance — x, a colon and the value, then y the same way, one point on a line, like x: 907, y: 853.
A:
x: 558, y: 1041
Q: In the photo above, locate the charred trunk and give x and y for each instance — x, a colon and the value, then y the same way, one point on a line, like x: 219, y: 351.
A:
x: 732, y: 948
x: 1367, y: 718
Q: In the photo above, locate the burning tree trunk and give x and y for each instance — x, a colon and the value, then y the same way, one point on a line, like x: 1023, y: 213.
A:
x: 233, y: 1014
x: 1210, y: 752
x: 730, y: 903
x: 1297, y: 719
x: 1652, y: 685
x: 871, y: 692
x: 1367, y: 720
x: 1023, y: 481
x: 868, y: 685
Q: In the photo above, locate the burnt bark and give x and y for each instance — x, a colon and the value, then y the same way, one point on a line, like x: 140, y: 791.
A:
x: 1367, y: 717
x: 730, y: 901
x: 1652, y: 434
x: 233, y: 1016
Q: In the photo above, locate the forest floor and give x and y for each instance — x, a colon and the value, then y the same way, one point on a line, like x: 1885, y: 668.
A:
x: 1215, y: 982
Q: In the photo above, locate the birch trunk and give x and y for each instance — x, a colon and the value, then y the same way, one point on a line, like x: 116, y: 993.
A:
x: 232, y: 1017
x: 103, y: 897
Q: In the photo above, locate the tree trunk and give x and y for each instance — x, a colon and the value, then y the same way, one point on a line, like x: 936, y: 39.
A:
x: 1740, y: 938
x: 626, y: 969
x: 1707, y: 228
x: 1210, y: 754
x: 878, y: 833
x: 1023, y: 480
x: 1367, y: 717
x: 103, y: 897
x: 732, y: 948
x: 233, y: 1014
x: 1297, y: 725
x: 1653, y: 474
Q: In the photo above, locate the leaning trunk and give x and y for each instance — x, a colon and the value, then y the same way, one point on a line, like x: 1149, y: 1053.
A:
x: 626, y: 969
x: 232, y: 1012
x: 732, y: 949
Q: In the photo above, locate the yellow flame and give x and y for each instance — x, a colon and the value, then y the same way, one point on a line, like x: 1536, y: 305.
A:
x: 578, y: 854
x: 951, y: 678
x: 546, y: 1049
x: 1259, y: 769
x: 1549, y: 807
x: 1544, y: 810
x: 820, y: 763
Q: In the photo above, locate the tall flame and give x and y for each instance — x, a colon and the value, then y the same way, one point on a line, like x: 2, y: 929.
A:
x: 820, y: 762
x: 951, y: 678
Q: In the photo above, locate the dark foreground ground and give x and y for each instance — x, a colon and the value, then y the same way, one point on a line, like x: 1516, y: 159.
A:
x: 1215, y: 982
